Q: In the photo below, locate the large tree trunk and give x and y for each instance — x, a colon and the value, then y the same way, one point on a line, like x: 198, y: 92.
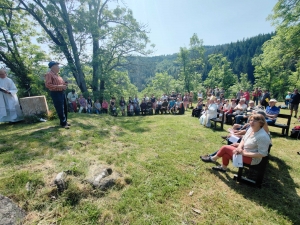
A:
x: 102, y: 88
x: 80, y: 75
x: 58, y: 37
x: 95, y: 65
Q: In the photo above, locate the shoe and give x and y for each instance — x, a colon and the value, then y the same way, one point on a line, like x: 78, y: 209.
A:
x: 298, y: 153
x: 207, y: 159
x: 295, y: 116
x: 66, y: 127
x: 204, y: 156
x: 224, y: 137
x: 219, y: 168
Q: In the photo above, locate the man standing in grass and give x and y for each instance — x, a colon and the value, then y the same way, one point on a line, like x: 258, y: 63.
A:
x: 294, y: 102
x: 57, y: 87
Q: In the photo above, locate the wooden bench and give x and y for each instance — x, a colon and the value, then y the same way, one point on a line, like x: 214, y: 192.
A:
x: 218, y: 120
x: 259, y: 169
x: 285, y: 127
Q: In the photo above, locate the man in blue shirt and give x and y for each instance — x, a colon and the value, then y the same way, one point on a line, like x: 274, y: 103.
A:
x: 171, y: 106
x: 272, y: 112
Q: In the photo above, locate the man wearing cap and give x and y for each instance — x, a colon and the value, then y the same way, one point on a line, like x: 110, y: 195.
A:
x: 294, y: 102
x: 272, y: 112
x: 57, y: 87
x: 72, y: 100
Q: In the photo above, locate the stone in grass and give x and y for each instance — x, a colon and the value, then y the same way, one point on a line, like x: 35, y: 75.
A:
x: 103, y: 178
x: 10, y: 213
x: 99, y: 177
x: 60, y: 181
x: 106, y: 183
x: 115, y: 179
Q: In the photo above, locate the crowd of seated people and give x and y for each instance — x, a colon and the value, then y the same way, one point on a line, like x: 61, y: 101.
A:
x: 251, y: 139
x: 176, y: 103
x: 233, y: 112
x: 172, y: 104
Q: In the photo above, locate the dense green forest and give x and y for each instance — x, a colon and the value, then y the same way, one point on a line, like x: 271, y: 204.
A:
x: 142, y: 69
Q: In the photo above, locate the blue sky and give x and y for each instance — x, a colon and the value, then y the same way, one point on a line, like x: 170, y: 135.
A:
x: 173, y: 22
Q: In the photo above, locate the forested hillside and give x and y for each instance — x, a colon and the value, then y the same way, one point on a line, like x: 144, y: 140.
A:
x: 240, y: 54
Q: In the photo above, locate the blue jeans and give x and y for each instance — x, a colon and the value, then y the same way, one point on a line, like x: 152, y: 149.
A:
x: 239, y: 118
x: 60, y: 104
x: 255, y: 99
x: 287, y: 102
x: 89, y: 110
x: 270, y: 122
x: 97, y: 111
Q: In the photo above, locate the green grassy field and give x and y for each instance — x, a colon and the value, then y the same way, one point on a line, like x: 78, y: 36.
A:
x: 158, y: 158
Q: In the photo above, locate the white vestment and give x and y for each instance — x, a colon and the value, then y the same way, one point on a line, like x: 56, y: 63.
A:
x: 210, y: 113
x: 10, y: 110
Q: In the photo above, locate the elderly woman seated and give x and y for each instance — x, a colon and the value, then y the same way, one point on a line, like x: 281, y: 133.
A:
x: 238, y: 131
x: 253, y: 147
x: 210, y: 113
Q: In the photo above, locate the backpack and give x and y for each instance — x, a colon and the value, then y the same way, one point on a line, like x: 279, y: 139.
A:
x: 295, y: 133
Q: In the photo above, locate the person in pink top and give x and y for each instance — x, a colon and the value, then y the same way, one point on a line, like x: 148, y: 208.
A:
x: 246, y: 96
x: 83, y: 104
x: 104, y: 106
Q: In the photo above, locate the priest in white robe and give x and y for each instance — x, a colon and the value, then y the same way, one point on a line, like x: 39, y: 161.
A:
x: 10, y: 110
x: 210, y: 112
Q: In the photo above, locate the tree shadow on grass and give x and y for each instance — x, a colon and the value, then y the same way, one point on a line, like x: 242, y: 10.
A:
x: 278, y: 190
x: 22, y: 152
x: 135, y: 125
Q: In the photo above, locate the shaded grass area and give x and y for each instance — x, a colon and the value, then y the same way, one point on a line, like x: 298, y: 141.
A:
x: 159, y: 158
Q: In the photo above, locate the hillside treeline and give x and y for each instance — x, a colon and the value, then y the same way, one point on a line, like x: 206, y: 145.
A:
x: 142, y: 69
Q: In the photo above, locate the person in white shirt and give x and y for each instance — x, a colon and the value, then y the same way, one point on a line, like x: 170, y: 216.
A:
x: 200, y: 95
x: 210, y: 113
x: 164, y: 97
x: 158, y: 106
x: 146, y: 98
x: 72, y: 100
x: 253, y: 147
x: 10, y: 110
x: 97, y: 106
x: 240, y: 108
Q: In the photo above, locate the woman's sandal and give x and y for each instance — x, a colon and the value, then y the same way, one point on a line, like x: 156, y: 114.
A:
x: 219, y: 168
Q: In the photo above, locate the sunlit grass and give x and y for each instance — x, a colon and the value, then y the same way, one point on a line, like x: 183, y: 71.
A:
x: 158, y: 157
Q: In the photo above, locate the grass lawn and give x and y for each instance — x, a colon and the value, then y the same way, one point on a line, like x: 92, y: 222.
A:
x: 163, y: 180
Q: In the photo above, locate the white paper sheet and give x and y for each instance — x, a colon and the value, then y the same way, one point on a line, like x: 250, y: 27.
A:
x: 237, y: 160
